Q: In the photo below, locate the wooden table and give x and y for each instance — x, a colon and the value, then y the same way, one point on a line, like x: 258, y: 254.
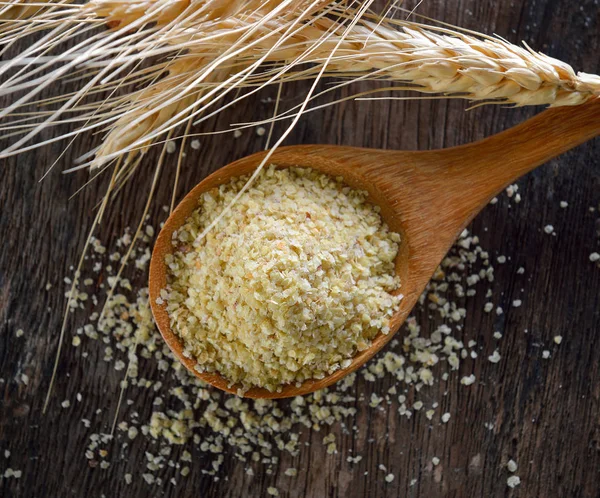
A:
x: 543, y: 413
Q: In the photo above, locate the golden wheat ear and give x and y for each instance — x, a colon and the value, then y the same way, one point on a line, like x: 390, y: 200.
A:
x: 163, y: 58
x: 201, y: 52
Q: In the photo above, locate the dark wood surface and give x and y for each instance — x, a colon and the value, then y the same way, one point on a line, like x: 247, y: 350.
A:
x: 545, y: 413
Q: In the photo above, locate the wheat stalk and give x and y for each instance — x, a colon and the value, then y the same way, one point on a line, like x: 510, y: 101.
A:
x: 220, y: 33
x: 21, y: 9
x: 216, y: 46
x: 426, y: 59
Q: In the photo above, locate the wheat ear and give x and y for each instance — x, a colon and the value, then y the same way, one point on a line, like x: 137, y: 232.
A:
x: 420, y: 58
x: 439, y: 60
x: 213, y: 47
x: 221, y: 32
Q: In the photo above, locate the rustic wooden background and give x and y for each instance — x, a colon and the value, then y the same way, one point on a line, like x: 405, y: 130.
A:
x: 546, y: 412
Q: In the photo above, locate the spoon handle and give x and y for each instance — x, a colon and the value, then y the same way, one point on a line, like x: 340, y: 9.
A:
x: 489, y: 165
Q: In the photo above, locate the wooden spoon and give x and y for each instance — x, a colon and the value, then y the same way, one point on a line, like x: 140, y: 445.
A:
x: 429, y: 197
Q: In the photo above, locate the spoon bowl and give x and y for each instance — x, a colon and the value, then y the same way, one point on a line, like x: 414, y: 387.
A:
x: 428, y: 197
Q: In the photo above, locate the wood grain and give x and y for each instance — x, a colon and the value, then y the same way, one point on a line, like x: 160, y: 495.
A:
x: 544, y: 412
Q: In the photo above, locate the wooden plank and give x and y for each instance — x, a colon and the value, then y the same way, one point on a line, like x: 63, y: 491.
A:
x: 544, y: 412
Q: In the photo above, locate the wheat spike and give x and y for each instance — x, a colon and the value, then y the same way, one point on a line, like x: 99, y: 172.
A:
x: 424, y: 59
x: 202, y: 51
x: 220, y: 31
x: 449, y: 62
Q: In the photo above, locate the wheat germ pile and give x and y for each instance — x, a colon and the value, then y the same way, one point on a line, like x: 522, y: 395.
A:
x: 290, y: 284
